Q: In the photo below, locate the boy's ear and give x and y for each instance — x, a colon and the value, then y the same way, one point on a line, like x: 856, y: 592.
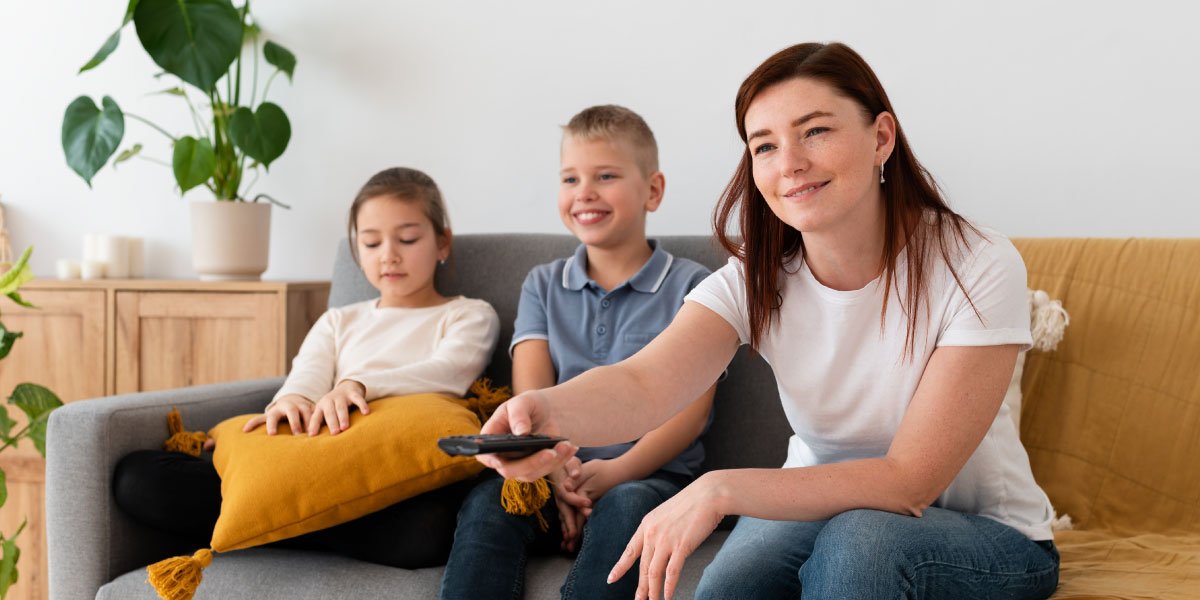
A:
x: 658, y: 187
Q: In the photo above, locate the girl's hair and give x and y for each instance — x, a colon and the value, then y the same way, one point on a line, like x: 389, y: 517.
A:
x: 915, y: 213
x: 404, y: 184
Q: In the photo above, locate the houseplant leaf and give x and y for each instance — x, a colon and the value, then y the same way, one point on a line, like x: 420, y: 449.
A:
x: 263, y: 134
x: 36, y: 402
x: 127, y: 154
x: 195, y: 40
x: 6, y: 424
x: 91, y: 135
x: 9, y: 553
x: 111, y: 43
x: 280, y: 57
x: 193, y: 162
x: 16, y: 276
x: 3, y: 489
x: 16, y: 298
x: 7, y: 339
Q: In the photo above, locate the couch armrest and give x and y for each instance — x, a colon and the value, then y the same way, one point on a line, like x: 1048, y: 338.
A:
x: 90, y: 541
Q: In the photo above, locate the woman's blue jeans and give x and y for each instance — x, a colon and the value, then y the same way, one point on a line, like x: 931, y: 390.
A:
x: 870, y: 554
x: 491, y: 546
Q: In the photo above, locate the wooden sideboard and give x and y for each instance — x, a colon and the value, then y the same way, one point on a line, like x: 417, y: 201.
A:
x: 88, y: 339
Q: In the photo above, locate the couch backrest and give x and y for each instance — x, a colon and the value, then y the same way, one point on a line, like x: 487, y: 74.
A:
x: 749, y: 429
x: 1111, y: 419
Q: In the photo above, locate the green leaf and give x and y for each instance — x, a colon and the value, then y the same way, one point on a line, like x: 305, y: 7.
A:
x: 263, y: 135
x: 6, y: 424
x: 90, y: 135
x: 280, y: 57
x: 7, y: 338
x: 195, y: 40
x: 37, y: 433
x: 3, y: 488
x: 9, y: 553
x: 18, y: 274
x: 127, y: 154
x: 250, y: 32
x: 16, y: 298
x: 34, y: 400
x: 175, y: 91
x: 194, y: 162
x: 109, y: 45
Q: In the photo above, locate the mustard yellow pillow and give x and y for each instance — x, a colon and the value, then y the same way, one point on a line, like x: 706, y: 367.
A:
x: 281, y: 486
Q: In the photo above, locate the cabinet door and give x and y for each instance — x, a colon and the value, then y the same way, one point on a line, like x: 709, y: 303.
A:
x: 175, y: 339
x: 63, y: 348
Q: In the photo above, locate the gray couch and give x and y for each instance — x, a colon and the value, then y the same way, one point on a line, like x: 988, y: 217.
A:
x: 95, y: 551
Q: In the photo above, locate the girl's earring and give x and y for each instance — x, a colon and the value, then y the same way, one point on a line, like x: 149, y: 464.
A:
x: 881, y: 179
x: 442, y: 261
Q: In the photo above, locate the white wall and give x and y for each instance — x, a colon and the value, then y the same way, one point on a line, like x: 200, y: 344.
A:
x: 1039, y: 118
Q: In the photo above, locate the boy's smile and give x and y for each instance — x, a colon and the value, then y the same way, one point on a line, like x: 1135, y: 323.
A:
x: 603, y: 196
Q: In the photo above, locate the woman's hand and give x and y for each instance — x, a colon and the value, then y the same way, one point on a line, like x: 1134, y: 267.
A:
x: 334, y: 408
x: 524, y: 414
x: 295, y: 408
x: 667, y: 536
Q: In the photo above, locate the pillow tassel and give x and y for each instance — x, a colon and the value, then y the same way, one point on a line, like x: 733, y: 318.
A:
x: 178, y: 578
x: 1049, y: 321
x: 187, y: 442
x: 523, y: 498
x: 485, y: 398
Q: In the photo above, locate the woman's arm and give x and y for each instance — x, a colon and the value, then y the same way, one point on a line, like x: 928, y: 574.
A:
x: 658, y: 447
x: 954, y: 405
x: 619, y: 402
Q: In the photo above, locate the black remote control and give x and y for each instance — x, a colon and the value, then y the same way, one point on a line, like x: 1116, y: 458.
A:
x: 505, y: 444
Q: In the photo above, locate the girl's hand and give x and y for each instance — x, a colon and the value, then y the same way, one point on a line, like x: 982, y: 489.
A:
x: 296, y: 408
x: 666, y: 537
x: 524, y: 414
x: 334, y: 408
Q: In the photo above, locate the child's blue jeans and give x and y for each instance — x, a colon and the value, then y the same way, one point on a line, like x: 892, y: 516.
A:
x: 491, y: 546
x: 875, y: 554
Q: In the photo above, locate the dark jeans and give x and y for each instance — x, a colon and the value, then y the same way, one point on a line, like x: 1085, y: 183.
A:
x: 181, y: 494
x: 491, y: 546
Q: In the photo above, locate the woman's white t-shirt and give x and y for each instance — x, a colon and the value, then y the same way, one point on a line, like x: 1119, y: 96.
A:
x: 396, y: 351
x: 845, y: 383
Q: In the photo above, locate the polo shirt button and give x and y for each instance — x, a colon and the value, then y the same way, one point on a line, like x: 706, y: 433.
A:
x: 605, y: 303
x: 601, y: 329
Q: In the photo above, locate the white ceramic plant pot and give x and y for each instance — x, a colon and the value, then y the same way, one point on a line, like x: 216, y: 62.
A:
x: 230, y: 240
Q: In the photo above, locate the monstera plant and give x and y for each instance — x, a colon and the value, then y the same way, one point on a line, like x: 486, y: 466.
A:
x: 201, y: 43
x: 206, y: 45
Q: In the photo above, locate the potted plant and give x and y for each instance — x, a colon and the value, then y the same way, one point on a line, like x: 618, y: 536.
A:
x: 202, y: 43
x: 33, y: 400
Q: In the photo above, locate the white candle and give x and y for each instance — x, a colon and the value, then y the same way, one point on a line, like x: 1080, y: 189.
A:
x: 91, y: 246
x: 66, y: 268
x: 92, y: 269
x: 137, y: 257
x: 114, y: 252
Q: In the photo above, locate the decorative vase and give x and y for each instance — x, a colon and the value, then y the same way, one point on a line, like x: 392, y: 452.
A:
x: 230, y: 240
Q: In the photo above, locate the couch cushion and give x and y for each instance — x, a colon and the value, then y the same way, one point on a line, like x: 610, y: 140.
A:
x: 1099, y: 565
x: 275, y: 574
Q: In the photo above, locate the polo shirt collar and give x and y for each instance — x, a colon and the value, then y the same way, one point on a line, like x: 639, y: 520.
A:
x: 647, y: 280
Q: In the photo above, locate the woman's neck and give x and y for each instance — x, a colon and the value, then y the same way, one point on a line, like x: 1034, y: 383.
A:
x: 849, y: 255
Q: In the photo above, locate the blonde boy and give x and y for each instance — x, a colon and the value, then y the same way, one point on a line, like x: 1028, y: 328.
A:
x: 597, y: 307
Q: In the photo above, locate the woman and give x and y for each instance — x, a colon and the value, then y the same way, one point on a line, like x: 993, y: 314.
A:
x: 892, y: 326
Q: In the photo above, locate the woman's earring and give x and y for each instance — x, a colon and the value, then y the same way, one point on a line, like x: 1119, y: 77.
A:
x: 881, y: 179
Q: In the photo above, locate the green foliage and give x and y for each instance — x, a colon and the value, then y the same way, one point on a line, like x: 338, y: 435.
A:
x: 202, y: 43
x: 35, y: 401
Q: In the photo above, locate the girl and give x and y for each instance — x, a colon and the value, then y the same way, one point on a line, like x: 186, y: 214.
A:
x: 411, y: 340
x: 892, y: 326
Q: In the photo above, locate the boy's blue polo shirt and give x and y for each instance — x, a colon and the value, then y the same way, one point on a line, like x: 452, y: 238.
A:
x: 587, y: 326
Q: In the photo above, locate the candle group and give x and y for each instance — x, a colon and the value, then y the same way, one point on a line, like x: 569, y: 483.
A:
x: 111, y: 256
